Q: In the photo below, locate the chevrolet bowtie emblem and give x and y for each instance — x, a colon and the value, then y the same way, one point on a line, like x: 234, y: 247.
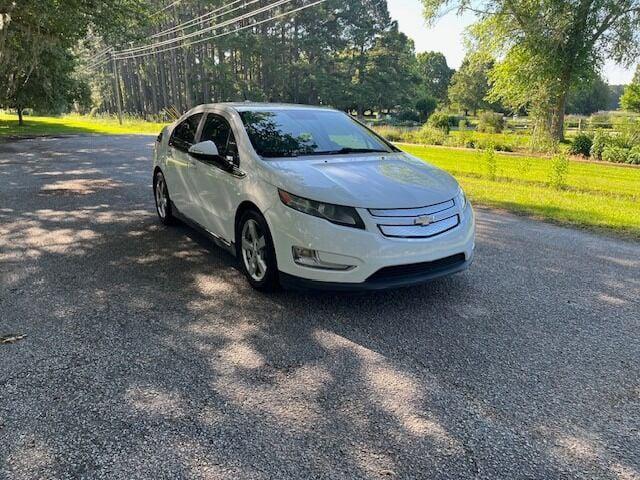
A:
x: 423, y: 220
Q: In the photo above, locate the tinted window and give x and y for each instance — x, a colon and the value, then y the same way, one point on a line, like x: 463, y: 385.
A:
x: 218, y: 130
x: 184, y: 134
x: 288, y: 133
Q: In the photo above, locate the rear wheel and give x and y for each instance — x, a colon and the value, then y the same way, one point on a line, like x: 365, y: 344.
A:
x: 163, y: 201
x: 256, y: 252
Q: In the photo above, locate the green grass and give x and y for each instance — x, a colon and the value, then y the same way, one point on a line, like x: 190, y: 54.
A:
x: 73, y: 124
x: 596, y: 196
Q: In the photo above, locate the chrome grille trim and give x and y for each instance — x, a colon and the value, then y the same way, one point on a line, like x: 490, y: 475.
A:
x: 412, y: 212
x: 420, y: 231
x: 410, y: 222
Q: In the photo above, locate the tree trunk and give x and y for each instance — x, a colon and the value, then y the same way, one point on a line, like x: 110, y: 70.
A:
x: 557, y: 116
x: 20, y: 120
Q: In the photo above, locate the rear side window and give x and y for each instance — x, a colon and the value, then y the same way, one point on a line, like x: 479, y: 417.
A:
x: 184, y: 134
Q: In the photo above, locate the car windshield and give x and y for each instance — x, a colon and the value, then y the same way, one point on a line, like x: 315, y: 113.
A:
x: 289, y: 133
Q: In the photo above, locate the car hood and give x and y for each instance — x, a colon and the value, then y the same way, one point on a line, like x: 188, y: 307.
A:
x: 368, y: 181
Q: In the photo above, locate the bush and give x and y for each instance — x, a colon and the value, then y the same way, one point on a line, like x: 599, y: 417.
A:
x: 441, y: 121
x: 615, y: 154
x: 393, y: 134
x: 429, y: 135
x: 581, y: 145
x: 463, y: 124
x: 598, y: 144
x: 491, y: 122
x: 634, y: 156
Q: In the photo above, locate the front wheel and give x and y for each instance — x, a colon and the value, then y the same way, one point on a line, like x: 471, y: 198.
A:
x: 163, y: 201
x: 256, y: 252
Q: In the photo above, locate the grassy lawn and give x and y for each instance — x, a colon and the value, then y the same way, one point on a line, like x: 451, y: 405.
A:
x: 71, y: 124
x: 597, y: 196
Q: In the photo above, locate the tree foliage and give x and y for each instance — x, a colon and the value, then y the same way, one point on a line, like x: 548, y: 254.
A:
x: 36, y: 37
x: 589, y: 95
x: 470, y: 84
x: 630, y: 99
x: 543, y: 47
x: 434, y: 75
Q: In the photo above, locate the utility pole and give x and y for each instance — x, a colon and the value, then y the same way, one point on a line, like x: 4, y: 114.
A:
x: 116, y: 86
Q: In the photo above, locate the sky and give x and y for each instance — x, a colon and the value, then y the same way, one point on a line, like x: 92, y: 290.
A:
x: 446, y: 36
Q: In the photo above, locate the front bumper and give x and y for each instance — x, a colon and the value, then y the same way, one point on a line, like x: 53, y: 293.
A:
x: 458, y: 263
x: 368, y: 250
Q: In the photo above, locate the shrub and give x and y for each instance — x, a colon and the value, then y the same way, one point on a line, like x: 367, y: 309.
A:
x: 581, y: 145
x: 491, y: 122
x: 634, y: 156
x: 430, y: 135
x: 598, y: 144
x: 559, y: 171
x: 615, y: 154
x: 393, y: 134
x: 441, y: 121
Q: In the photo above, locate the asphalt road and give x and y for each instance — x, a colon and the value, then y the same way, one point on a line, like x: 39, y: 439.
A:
x: 148, y: 356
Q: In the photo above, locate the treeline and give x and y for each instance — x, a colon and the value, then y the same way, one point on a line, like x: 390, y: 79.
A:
x: 348, y: 54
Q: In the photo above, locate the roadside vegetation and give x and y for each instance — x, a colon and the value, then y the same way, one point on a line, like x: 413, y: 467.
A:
x: 73, y: 124
x: 593, y: 195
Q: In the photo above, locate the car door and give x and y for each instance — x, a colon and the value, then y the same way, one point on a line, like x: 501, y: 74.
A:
x: 216, y: 186
x: 179, y: 164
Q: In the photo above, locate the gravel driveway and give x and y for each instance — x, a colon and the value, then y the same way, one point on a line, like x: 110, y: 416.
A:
x: 148, y: 356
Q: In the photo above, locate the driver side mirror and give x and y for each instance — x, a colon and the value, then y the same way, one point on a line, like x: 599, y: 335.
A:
x: 204, y: 151
x: 208, y: 152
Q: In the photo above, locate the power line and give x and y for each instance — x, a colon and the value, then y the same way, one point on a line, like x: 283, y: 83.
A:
x: 193, y: 21
x: 283, y: 14
x: 225, y: 23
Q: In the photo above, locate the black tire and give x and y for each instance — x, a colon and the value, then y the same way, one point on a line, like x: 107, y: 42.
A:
x: 163, y: 209
x: 270, y: 281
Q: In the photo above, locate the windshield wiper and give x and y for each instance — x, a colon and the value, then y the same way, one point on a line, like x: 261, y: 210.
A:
x: 348, y: 150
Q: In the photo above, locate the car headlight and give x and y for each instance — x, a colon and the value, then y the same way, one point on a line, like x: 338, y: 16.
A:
x: 338, y: 214
x: 461, y: 199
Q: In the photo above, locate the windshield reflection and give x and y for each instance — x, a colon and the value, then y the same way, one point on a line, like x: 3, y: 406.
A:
x: 298, y: 132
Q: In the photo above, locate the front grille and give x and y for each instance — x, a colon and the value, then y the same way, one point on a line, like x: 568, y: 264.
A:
x: 422, y: 222
x: 417, y: 269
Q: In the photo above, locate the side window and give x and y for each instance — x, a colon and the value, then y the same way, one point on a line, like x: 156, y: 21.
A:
x: 218, y: 130
x: 184, y: 134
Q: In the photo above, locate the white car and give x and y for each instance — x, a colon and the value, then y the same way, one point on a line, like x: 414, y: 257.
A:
x: 308, y: 197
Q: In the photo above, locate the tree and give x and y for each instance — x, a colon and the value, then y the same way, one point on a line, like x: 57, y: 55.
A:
x: 389, y: 80
x: 589, y: 96
x: 434, y: 75
x: 470, y: 84
x: 35, y: 41
x: 425, y: 107
x: 544, y: 46
x: 630, y: 99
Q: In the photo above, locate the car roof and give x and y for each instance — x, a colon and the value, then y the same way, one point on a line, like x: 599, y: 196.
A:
x: 253, y: 106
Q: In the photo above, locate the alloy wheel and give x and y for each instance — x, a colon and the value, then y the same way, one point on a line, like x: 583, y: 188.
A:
x: 253, y: 250
x: 161, y: 197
